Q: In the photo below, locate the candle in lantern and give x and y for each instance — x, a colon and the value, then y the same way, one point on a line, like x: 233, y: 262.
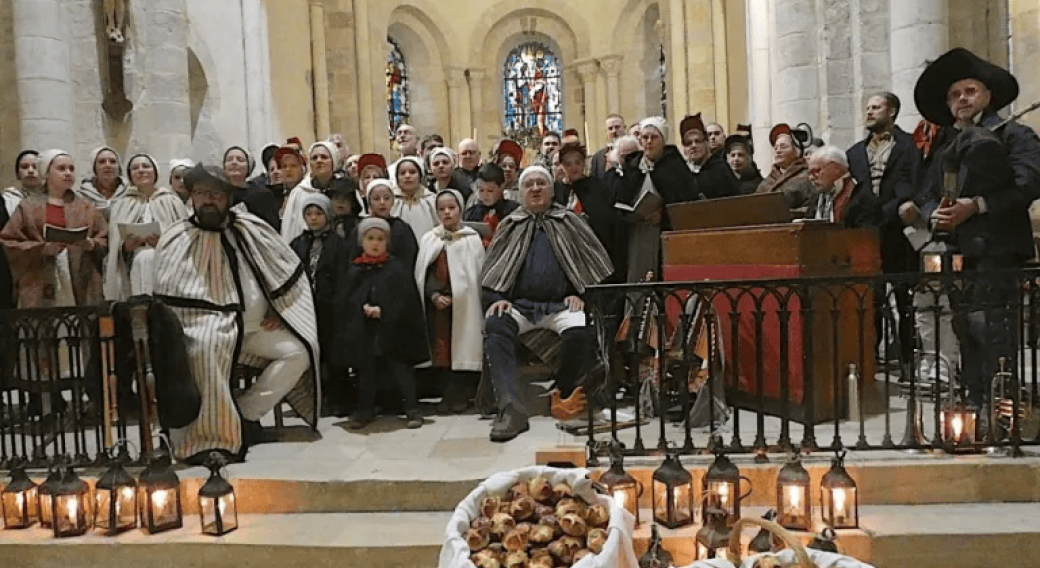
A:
x: 72, y: 509
x: 839, y: 503
x: 723, y: 490
x: 619, y: 498
x: 957, y: 424
x: 159, y: 499
x: 794, y: 501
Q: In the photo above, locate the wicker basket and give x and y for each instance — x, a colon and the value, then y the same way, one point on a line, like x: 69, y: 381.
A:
x: 776, y: 530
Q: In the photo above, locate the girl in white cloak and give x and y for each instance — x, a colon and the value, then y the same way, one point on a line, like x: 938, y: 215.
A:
x: 129, y: 267
x: 451, y: 257
x: 414, y: 202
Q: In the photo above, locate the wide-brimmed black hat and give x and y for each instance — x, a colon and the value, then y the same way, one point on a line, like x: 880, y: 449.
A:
x: 956, y: 65
x: 211, y: 175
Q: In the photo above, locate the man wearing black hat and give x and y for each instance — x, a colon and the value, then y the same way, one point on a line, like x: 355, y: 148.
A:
x: 992, y: 174
x: 708, y: 168
x: 241, y: 294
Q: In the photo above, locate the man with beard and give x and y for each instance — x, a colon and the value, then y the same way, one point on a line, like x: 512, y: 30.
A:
x: 709, y: 169
x: 242, y: 296
x: 885, y: 161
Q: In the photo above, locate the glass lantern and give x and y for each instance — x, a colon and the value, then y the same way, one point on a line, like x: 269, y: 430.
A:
x: 958, y: 422
x: 70, y: 503
x: 713, y: 538
x: 839, y: 500
x: 159, y: 495
x: 115, y: 496
x: 672, y: 494
x: 44, y: 496
x: 793, y: 499
x: 621, y: 485
x: 721, y: 486
x: 217, y: 508
x: 19, y: 501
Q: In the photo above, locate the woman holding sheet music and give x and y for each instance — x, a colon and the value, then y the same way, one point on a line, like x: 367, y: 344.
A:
x: 136, y: 221
x: 56, y: 241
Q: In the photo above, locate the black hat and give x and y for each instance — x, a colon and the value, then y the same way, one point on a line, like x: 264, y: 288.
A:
x: 737, y: 140
x: 208, y: 174
x: 956, y: 65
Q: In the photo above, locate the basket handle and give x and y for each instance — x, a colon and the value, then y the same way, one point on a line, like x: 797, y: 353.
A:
x: 776, y: 530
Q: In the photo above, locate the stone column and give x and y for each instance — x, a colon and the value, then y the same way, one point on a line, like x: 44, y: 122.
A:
x: 258, y: 73
x: 456, y: 80
x: 919, y: 33
x: 476, y: 103
x: 678, y: 104
x: 164, y: 105
x: 760, y: 80
x: 321, y: 72
x: 588, y: 69
x: 44, y: 77
x: 611, y: 65
x: 1025, y: 49
x: 796, y: 86
x: 721, y: 65
x: 366, y: 59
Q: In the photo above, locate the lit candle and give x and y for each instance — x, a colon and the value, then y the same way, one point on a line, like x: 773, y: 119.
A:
x: 73, y: 508
x: 839, y: 503
x: 723, y: 493
x: 19, y: 499
x: 957, y: 426
x: 221, y: 505
x: 159, y: 503
x: 794, y: 498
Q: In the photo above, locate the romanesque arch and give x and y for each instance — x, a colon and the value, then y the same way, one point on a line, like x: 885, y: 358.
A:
x: 427, y: 52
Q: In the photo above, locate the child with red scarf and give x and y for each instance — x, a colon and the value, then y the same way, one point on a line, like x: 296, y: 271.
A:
x: 383, y: 331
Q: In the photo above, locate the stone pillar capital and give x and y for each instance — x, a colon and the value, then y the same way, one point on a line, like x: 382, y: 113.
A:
x: 611, y: 64
x: 475, y: 74
x: 456, y: 77
x: 587, y: 68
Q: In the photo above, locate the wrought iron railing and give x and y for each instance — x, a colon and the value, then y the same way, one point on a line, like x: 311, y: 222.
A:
x: 810, y: 363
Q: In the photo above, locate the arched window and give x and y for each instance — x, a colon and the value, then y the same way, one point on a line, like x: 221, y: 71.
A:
x: 533, y: 92
x: 397, y: 104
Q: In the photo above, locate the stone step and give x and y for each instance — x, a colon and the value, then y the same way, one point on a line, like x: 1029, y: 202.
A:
x: 922, y: 536
x: 960, y: 479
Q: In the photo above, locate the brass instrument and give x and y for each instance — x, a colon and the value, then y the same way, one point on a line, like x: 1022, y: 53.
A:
x: 1004, y: 389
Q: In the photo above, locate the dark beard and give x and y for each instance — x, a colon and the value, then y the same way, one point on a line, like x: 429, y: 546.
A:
x: 210, y: 218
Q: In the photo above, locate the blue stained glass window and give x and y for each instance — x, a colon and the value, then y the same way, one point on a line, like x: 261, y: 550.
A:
x: 533, y: 92
x: 397, y: 103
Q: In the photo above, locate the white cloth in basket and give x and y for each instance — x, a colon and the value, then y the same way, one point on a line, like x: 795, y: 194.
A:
x: 617, y: 552
x: 820, y: 558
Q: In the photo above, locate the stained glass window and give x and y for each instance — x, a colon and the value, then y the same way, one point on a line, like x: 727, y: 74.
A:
x: 533, y: 92
x: 397, y: 104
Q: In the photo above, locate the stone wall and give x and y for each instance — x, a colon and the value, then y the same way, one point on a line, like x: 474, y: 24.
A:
x: 10, y: 125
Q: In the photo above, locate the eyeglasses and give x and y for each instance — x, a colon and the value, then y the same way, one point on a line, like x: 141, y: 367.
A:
x: 970, y: 91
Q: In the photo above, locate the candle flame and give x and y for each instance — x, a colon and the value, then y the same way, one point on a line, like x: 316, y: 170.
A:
x: 839, y: 502
x: 723, y: 493
x: 221, y: 505
x: 794, y: 495
x: 19, y: 499
x: 619, y: 498
x: 159, y: 499
x: 73, y: 509
x: 957, y: 424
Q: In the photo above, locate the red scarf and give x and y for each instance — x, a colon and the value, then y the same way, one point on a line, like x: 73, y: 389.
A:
x: 372, y: 260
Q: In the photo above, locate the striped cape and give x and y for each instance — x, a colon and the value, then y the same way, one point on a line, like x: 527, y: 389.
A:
x: 194, y: 276
x: 164, y: 207
x: 579, y: 252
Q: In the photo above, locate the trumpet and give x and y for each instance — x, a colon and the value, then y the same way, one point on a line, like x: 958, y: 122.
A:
x: 1005, y: 392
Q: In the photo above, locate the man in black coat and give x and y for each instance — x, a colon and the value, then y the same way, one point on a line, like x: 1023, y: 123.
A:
x: 839, y: 198
x: 615, y: 124
x: 984, y: 207
x: 884, y: 161
x: 713, y: 175
x: 592, y: 200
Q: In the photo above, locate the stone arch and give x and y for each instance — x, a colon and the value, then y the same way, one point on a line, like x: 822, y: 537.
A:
x: 513, y: 29
x: 563, y: 19
x: 633, y: 30
x: 198, y: 87
x: 426, y: 52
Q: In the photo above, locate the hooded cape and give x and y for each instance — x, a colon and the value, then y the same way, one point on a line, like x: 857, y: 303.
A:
x: 196, y: 276
x: 123, y: 276
x: 579, y: 252
x: 465, y: 259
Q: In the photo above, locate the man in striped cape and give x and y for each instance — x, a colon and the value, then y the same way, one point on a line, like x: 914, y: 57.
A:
x: 241, y: 296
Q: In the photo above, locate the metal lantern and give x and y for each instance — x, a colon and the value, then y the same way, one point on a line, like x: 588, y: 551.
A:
x: 70, y: 503
x: 655, y: 556
x: 159, y: 495
x: 19, y: 501
x: 839, y: 500
x: 721, y: 488
x: 217, y: 508
x: 621, y: 485
x: 764, y: 541
x: 937, y: 257
x: 713, y: 538
x: 115, y: 496
x: 672, y: 494
x: 793, y: 499
x: 958, y: 422
x: 44, y: 496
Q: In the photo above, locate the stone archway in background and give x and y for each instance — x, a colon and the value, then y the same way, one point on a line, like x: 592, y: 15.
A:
x: 198, y: 87
x: 425, y: 49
